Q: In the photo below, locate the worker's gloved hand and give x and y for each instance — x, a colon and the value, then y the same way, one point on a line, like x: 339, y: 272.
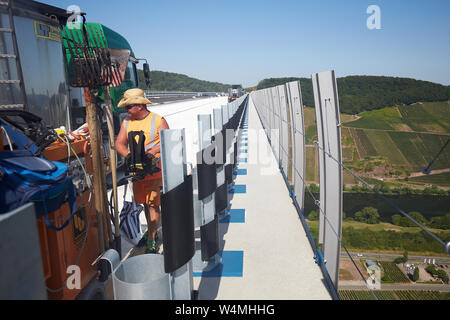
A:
x: 155, y: 165
x: 151, y: 164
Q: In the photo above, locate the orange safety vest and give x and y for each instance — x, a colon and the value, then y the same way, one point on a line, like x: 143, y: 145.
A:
x: 150, y: 126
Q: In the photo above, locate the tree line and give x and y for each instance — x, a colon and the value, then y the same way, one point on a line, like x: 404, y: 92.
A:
x: 384, y: 188
x: 168, y: 81
x: 437, y: 273
x: 356, y: 93
x: 368, y: 239
x: 365, y: 93
x: 370, y: 215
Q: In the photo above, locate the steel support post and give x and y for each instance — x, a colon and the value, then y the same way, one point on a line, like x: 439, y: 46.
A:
x: 174, y: 168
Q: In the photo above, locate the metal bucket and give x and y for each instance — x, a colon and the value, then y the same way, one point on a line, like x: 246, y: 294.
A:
x: 139, y: 278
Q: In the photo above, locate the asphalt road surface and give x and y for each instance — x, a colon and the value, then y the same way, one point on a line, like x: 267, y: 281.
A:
x: 164, y: 100
x: 439, y: 260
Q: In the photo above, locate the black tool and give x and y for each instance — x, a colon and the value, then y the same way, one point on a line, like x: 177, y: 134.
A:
x: 138, y: 162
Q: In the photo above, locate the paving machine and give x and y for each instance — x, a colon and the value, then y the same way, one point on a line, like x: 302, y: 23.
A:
x: 236, y: 91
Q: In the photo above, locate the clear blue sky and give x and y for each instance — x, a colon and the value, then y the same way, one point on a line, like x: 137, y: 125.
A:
x: 248, y: 40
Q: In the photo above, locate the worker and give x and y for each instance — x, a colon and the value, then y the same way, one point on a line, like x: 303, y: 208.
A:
x: 147, y: 190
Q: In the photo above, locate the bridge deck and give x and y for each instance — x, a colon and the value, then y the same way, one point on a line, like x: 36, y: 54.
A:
x: 266, y: 253
x: 277, y: 259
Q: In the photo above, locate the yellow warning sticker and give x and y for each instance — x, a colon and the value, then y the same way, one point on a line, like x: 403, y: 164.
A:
x: 46, y: 31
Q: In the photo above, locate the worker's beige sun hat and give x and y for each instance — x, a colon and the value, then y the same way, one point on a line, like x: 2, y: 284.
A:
x: 133, y: 96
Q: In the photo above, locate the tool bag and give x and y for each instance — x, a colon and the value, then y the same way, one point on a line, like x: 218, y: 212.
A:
x: 130, y: 225
x: 26, y: 178
x: 27, y: 130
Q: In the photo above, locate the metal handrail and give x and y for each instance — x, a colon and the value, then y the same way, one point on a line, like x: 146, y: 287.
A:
x: 149, y: 93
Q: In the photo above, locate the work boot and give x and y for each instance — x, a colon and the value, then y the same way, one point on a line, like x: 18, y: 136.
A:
x: 157, y: 239
x: 143, y: 242
x: 151, y: 246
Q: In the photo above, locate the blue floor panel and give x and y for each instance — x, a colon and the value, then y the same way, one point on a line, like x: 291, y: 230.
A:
x: 239, y: 188
x: 235, y: 216
x: 232, y: 265
x: 241, y: 172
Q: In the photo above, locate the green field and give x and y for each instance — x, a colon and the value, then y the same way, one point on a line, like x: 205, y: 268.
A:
x: 383, y: 119
x: 420, y: 148
x: 310, y: 134
x: 420, y: 117
x: 387, y: 238
x: 347, y: 154
x: 391, y: 270
x: 428, y: 205
x: 385, y: 147
x: 387, y: 136
x: 442, y: 179
x: 432, y: 143
x: 309, y: 115
x: 348, y: 178
x: 347, y: 140
x: 384, y: 236
x: 411, y: 147
x: 403, y: 149
x: 427, y: 117
x: 389, y: 133
x: 363, y: 143
x: 311, y: 174
x: 394, y: 295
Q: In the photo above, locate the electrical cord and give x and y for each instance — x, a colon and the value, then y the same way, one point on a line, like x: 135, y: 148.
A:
x: 89, y: 183
x: 89, y: 216
x: 69, y: 147
x: 7, y: 137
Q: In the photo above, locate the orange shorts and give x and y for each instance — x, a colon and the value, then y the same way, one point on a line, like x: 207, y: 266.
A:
x: 147, y: 191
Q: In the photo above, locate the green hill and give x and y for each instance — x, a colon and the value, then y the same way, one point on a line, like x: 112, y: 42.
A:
x: 356, y: 93
x: 305, y: 83
x: 407, y: 136
x: 364, y: 93
x: 391, y: 143
x: 168, y: 81
x: 430, y: 117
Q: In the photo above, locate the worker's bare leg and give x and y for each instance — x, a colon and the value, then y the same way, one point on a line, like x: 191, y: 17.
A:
x: 153, y: 216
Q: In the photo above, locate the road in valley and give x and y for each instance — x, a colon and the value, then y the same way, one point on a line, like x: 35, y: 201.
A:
x: 378, y: 256
x: 359, y: 285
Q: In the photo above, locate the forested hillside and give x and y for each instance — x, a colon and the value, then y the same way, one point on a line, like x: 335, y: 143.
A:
x: 356, y: 93
x: 167, y: 81
x: 364, y: 93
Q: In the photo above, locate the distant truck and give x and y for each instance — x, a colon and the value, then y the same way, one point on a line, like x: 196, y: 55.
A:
x: 236, y: 91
